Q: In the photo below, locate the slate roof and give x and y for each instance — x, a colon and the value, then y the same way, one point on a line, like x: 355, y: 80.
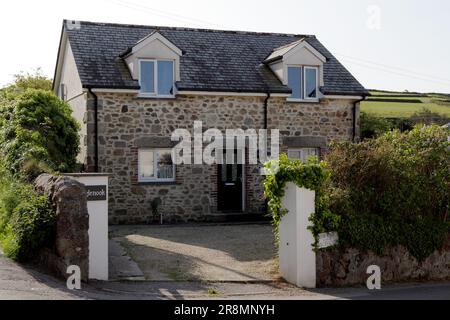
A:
x: 212, y: 60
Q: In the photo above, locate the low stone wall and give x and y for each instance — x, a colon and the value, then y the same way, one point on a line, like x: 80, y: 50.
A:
x: 347, y: 267
x: 71, y: 246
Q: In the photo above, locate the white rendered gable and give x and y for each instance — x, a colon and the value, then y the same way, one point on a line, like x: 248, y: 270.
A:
x: 154, y: 46
x: 299, y: 53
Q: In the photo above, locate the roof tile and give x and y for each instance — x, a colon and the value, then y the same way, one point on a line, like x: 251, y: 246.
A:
x: 212, y: 60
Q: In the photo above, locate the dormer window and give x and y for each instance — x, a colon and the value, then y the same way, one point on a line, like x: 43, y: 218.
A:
x: 303, y: 80
x: 156, y: 78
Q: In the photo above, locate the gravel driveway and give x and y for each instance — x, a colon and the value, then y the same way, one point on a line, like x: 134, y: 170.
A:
x: 201, y: 252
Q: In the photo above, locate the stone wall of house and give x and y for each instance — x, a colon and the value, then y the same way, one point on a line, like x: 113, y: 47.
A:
x: 127, y: 123
x: 347, y: 267
x: 331, y: 119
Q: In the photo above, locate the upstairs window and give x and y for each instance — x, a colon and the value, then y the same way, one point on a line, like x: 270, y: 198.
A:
x: 156, y: 78
x: 304, y: 82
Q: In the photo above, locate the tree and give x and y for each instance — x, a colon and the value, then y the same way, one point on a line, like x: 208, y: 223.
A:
x: 37, y: 133
x: 36, y: 80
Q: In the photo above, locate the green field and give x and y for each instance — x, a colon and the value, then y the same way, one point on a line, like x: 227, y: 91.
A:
x: 438, y: 103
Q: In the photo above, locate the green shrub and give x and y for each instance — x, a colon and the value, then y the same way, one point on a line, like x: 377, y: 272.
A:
x: 393, y: 190
x: 11, y: 195
x: 373, y: 126
x: 388, y: 191
x: 34, y: 80
x: 367, y: 232
x: 396, y: 174
x: 420, y: 235
x: 26, y: 220
x: 37, y: 133
x: 401, y: 124
x: 428, y: 235
x: 31, y: 227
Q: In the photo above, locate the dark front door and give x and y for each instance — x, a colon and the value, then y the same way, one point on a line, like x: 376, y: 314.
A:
x: 230, y: 187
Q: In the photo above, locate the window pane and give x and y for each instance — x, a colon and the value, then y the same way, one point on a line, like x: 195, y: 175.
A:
x: 147, y: 77
x: 302, y: 154
x: 310, y: 83
x: 295, y: 81
x: 146, y: 163
x: 165, y: 77
x: 294, y: 154
x: 308, y: 152
x: 165, y: 164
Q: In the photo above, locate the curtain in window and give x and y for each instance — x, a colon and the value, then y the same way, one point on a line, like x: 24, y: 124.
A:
x: 165, y: 164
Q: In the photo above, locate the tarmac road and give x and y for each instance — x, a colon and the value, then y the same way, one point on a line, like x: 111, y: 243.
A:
x: 24, y: 283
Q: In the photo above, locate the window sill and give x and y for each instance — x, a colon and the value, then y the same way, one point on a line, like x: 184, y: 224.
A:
x: 303, y: 100
x: 153, y: 96
x: 156, y: 183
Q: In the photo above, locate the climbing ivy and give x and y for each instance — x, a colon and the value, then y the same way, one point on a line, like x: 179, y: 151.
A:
x: 312, y: 175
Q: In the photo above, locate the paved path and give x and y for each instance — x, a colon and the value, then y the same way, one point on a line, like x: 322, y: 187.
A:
x: 121, y: 267
x: 19, y: 282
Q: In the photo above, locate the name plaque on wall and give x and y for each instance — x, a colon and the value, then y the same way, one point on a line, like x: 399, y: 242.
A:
x: 96, y: 193
x: 328, y: 240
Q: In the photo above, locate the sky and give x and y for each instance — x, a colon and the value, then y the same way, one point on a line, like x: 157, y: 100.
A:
x: 391, y: 45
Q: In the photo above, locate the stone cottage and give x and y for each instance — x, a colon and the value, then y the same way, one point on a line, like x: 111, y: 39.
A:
x: 131, y: 86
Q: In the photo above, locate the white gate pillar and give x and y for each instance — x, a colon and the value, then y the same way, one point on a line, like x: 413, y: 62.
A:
x: 297, y: 257
x: 97, y: 202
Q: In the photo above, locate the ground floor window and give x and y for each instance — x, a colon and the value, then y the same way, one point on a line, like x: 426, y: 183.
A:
x: 155, y: 165
x: 302, y: 153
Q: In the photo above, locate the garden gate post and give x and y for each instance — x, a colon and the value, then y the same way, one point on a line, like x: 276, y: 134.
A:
x: 297, y: 257
x: 97, y: 202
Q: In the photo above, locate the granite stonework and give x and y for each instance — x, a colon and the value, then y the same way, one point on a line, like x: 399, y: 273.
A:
x: 71, y: 245
x: 127, y: 123
x: 337, y: 267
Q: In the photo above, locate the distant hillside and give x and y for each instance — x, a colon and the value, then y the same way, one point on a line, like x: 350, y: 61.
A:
x: 392, y: 104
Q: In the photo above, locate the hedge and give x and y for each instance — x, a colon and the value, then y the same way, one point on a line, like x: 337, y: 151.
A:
x: 388, y: 191
x: 27, y: 221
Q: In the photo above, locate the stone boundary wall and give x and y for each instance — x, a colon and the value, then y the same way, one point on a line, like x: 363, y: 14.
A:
x: 71, y: 246
x: 337, y: 267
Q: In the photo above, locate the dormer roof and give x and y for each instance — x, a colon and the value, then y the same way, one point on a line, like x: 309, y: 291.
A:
x: 153, y: 36
x: 280, y: 52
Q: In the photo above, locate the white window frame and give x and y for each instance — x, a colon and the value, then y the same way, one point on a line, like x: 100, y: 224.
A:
x: 155, y: 166
x: 304, y: 83
x: 155, y: 94
x: 303, y: 88
x: 302, y: 150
